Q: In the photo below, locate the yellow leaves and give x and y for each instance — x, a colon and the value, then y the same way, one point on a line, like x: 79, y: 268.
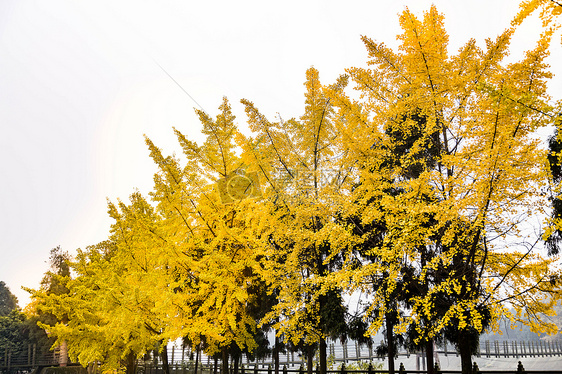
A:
x: 425, y: 48
x: 549, y: 12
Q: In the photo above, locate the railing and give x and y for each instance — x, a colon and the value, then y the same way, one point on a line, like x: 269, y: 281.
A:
x: 350, y: 352
x: 180, y: 362
x: 517, y: 349
x: 26, y: 358
x: 205, y: 369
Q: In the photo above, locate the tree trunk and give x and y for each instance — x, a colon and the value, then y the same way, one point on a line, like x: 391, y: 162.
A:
x: 309, y: 359
x: 224, y: 369
x: 164, y: 356
x: 322, y: 354
x: 429, y: 357
x: 236, y: 362
x: 197, y: 349
x: 216, y: 364
x: 130, y: 363
x: 465, y: 354
x: 390, y: 344
x: 276, y: 355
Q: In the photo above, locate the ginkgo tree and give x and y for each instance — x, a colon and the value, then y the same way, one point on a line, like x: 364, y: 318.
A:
x: 112, y: 310
x: 211, y: 234
x: 223, y: 231
x: 303, y: 170
x: 459, y: 220
x: 181, y: 266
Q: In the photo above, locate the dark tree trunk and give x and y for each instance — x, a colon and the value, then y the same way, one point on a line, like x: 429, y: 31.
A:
x: 196, y: 359
x: 276, y: 355
x: 224, y: 369
x: 465, y: 354
x: 164, y: 356
x: 322, y: 354
x: 235, y: 363
x: 309, y: 359
x: 429, y: 357
x: 390, y: 343
x: 215, y: 365
x: 130, y: 364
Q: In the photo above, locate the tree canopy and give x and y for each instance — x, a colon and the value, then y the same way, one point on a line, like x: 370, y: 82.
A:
x: 8, y: 301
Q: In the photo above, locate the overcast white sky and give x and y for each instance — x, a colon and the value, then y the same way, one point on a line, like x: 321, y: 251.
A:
x: 79, y: 86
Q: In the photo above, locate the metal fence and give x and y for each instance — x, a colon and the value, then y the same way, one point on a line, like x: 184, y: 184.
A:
x: 27, y: 358
x: 205, y: 369
x: 181, y: 359
x: 352, y: 352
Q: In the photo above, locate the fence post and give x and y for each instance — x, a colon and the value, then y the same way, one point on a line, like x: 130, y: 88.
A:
x: 537, y: 348
x: 183, y: 359
x: 445, y: 348
x: 357, y: 351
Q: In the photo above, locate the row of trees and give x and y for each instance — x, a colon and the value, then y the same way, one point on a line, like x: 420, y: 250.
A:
x: 424, y: 194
